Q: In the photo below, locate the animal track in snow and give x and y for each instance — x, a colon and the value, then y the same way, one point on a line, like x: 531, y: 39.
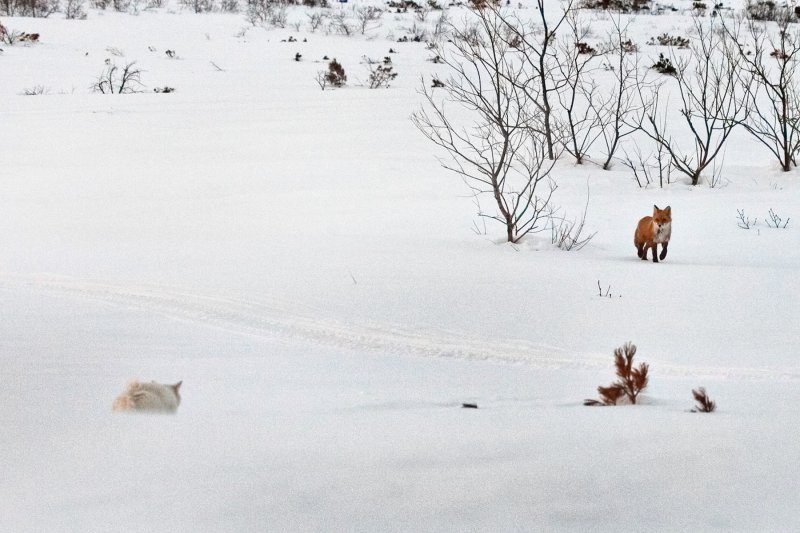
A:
x: 278, y: 320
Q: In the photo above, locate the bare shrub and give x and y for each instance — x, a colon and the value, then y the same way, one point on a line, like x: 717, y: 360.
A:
x: 745, y: 222
x: 198, y: 6
x: 775, y: 221
x: 322, y: 79
x: 769, y: 10
x: 422, y: 12
x: 114, y: 80
x: 669, y: 40
x: 769, y: 74
x: 615, y: 107
x: 334, y: 76
x: 439, y: 31
x: 583, y: 125
x: 12, y: 37
x: 711, y: 104
x: 35, y: 90
x: 315, y: 20
x: 415, y: 33
x: 73, y: 9
x: 29, y: 8
x: 492, y: 146
x: 569, y: 235
x: 664, y: 66
x: 7, y: 36
x: 483, y: 4
x: 649, y: 169
x: 381, y: 74
x: 623, y: 6
x: 368, y: 18
x: 267, y: 13
x: 631, y: 381
x: 341, y: 23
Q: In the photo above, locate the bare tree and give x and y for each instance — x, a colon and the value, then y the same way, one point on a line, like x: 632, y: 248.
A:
x: 709, y: 90
x: 495, y: 151
x: 769, y: 75
x: 315, y: 19
x: 258, y: 11
x: 582, y: 124
x: 73, y: 9
x: 29, y: 8
x: 537, y: 44
x: 616, y: 107
x: 341, y: 23
x: 368, y: 17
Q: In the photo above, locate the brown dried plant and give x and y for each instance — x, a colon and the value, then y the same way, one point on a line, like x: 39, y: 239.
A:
x: 630, y: 380
x: 704, y: 403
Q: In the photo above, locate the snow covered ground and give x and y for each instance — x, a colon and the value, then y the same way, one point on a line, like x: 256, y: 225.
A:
x: 302, y: 262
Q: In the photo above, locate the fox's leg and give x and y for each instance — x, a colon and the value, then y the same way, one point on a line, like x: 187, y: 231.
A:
x: 663, y: 251
x: 654, y: 247
x: 641, y: 251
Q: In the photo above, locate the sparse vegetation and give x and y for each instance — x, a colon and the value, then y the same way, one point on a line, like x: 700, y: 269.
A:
x: 704, y: 403
x: 271, y: 13
x: 744, y: 221
x: 770, y: 11
x: 12, y: 37
x: 284, y: 219
x: 775, y: 221
x: 500, y: 155
x: 381, y: 74
x: 570, y: 235
x: 333, y: 77
x: 29, y: 8
x: 116, y: 80
x: 368, y: 17
x: 74, y: 9
x: 35, y: 90
x: 771, y: 91
x: 630, y: 383
x: 664, y: 66
x: 669, y: 40
x: 623, y: 6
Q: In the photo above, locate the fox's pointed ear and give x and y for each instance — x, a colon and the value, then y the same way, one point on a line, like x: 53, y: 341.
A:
x: 177, y: 386
x: 655, y: 208
x: 668, y: 209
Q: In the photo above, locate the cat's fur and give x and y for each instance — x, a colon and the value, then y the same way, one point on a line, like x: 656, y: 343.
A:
x: 149, y: 397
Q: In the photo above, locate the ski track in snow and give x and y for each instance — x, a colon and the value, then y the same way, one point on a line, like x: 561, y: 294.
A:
x: 276, y: 321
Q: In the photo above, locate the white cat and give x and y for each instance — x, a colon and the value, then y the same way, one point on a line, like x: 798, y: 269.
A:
x: 152, y: 397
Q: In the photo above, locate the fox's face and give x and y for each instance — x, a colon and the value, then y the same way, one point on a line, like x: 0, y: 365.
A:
x: 662, y: 217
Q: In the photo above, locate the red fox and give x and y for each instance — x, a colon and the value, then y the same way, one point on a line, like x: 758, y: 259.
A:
x: 653, y: 231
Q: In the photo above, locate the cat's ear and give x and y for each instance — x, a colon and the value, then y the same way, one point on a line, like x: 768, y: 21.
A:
x: 177, y: 386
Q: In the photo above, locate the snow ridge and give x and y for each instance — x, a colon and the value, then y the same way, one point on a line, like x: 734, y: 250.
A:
x: 277, y: 321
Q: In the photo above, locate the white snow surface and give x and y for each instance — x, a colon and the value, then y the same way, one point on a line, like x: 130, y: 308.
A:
x: 303, y: 263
